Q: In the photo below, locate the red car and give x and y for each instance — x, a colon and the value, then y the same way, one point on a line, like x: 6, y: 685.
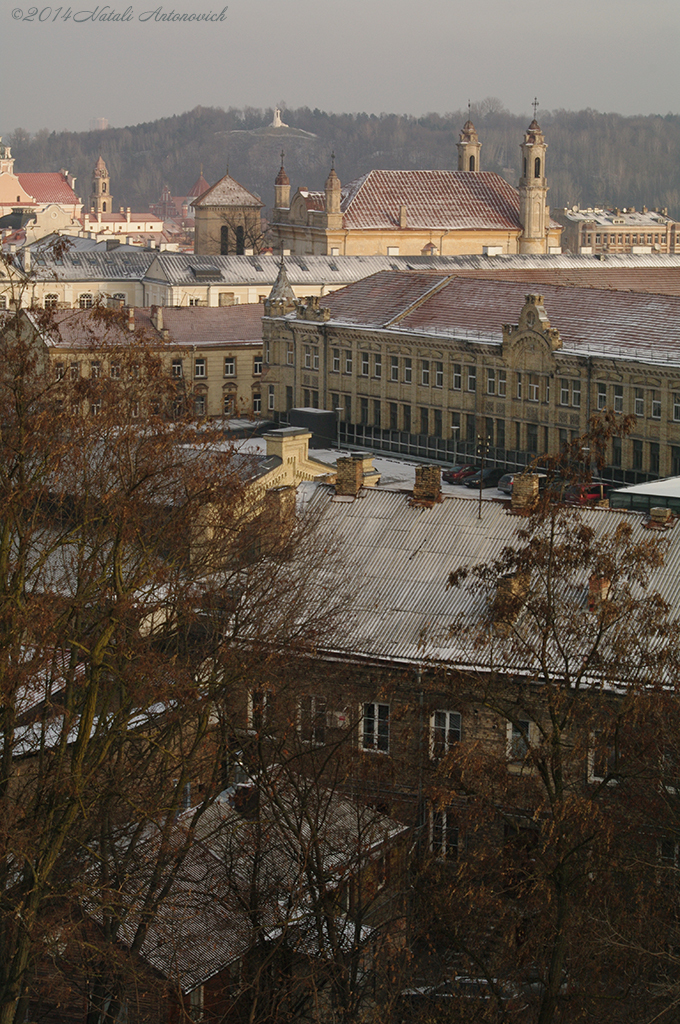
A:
x: 586, y: 494
x: 457, y: 474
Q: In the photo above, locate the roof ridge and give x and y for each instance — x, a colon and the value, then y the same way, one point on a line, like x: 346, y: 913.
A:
x: 436, y: 287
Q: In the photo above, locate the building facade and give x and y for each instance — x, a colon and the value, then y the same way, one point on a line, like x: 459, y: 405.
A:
x: 425, y: 365
x: 228, y: 220
x: 419, y: 212
x: 618, y: 231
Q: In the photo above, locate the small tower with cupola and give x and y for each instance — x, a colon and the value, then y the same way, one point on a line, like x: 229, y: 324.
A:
x: 533, y: 191
x: 100, y: 198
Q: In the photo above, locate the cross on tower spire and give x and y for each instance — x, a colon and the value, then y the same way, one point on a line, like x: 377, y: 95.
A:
x: 535, y: 106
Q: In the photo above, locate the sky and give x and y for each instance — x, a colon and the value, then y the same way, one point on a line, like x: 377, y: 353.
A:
x: 394, y: 56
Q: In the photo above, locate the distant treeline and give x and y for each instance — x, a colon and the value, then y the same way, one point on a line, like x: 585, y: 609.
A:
x: 593, y: 159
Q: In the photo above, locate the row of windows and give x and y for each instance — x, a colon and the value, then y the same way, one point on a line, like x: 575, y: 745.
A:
x: 611, y: 238
x: 201, y: 367
x: 95, y: 367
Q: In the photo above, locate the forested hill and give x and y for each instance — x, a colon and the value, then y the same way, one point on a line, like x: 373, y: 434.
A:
x: 593, y: 159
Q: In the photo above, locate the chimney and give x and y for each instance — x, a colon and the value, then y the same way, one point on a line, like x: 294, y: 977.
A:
x: 350, y: 475
x: 127, y: 214
x: 26, y: 253
x: 157, y: 318
x: 131, y: 318
x: 524, y: 492
x: 428, y: 485
x: 660, y: 515
x: 511, y: 592
x: 402, y: 217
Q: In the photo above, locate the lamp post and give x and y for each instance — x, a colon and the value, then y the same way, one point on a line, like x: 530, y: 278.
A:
x: 455, y: 431
x: 482, y: 448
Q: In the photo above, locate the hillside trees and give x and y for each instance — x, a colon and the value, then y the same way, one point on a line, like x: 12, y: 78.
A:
x: 117, y: 641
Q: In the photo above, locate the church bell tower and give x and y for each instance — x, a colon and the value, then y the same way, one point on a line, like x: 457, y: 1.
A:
x: 533, y: 191
x: 100, y: 199
x: 468, y: 148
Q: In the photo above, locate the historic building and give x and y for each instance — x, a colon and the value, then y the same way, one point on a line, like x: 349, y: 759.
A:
x: 228, y: 221
x: 618, y: 231
x: 420, y: 212
x: 428, y: 365
x: 35, y: 203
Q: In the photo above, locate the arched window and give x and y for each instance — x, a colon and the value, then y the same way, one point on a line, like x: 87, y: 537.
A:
x: 86, y: 300
x: 537, y: 167
x: 525, y: 167
x: 224, y: 241
x: 103, y: 207
x: 472, y: 163
x: 240, y: 241
x: 103, y: 186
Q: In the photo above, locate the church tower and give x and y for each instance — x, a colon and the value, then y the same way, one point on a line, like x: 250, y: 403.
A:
x: 6, y: 159
x: 333, y: 192
x: 282, y: 188
x: 100, y: 199
x: 533, y: 191
x: 468, y: 148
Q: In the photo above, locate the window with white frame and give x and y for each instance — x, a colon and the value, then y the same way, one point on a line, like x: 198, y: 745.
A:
x: 533, y: 388
x: 59, y: 370
x: 336, y: 360
x: 520, y: 738
x: 74, y: 371
x: 439, y: 375
x: 408, y: 371
x: 445, y: 732
x: 375, y: 727
x: 676, y: 406
x: 377, y: 365
x: 457, y: 377
x: 229, y: 366
x: 444, y: 836
x: 312, y: 719
x: 51, y: 301
x: 519, y: 385
x: 472, y: 378
x: 315, y: 357
x: 199, y: 368
x: 257, y: 402
x: 394, y: 368
x: 257, y: 365
x: 259, y: 709
x: 115, y: 371
x: 270, y: 398
x: 656, y: 405
x: 425, y: 373
x: 639, y: 406
x: 618, y: 398
x: 502, y: 383
x: 95, y: 369
x: 491, y: 382
x: 601, y: 395
x: 603, y: 758
x: 199, y: 405
x: 177, y: 368
x: 365, y: 367
x: 348, y: 361
x: 86, y: 300
x: 290, y: 353
x: 308, y: 357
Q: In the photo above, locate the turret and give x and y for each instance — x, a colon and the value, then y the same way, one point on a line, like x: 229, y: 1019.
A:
x: 468, y: 148
x: 533, y: 191
x: 282, y: 188
x: 333, y: 192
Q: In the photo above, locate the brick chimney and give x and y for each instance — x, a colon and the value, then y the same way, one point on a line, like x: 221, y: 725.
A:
x: 157, y: 318
x: 350, y: 475
x: 524, y: 492
x: 598, y: 591
x: 428, y: 485
x: 131, y: 318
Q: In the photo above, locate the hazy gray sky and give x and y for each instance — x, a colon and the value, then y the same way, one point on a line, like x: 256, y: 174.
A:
x: 404, y: 56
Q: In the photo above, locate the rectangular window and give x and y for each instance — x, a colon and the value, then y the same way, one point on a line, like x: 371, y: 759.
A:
x: 656, y: 405
x: 675, y: 460
x: 336, y: 360
x: 425, y: 373
x: 654, y: 453
x: 95, y: 369
x: 424, y: 421
x: 488, y: 434
x: 259, y: 709
x: 308, y: 357
x: 394, y: 416
x: 376, y: 413
x: 257, y: 403
x: 676, y: 407
x: 439, y: 375
x: 519, y: 385
x: 364, y: 364
x: 348, y: 408
x: 637, y: 455
x: 472, y: 378
x: 312, y: 720
x: 290, y: 354
x: 199, y: 405
x: 532, y: 438
x: 518, y: 739
x: 639, y: 402
x: 348, y: 361
x: 438, y: 423
x: 377, y: 366
x: 616, y: 452
x: 502, y: 383
x: 500, y: 433
x: 364, y: 412
x: 533, y: 387
x: 576, y: 394
x: 375, y: 727
x: 408, y: 371
x: 601, y: 396
x: 603, y: 759
x: 394, y: 368
x: 457, y: 377
x: 618, y: 398
x: 471, y: 429
x: 491, y: 382
x: 406, y: 418
x: 177, y: 370
x: 257, y: 365
x: 445, y: 732
x: 270, y: 397
x: 518, y: 436
x: 443, y: 834
x: 289, y: 398
x: 115, y: 371
x: 564, y: 392
x: 59, y: 371
x: 96, y: 408
x: 229, y: 366
x: 199, y: 368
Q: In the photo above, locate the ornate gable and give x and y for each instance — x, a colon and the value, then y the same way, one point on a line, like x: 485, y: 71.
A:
x: 532, y: 342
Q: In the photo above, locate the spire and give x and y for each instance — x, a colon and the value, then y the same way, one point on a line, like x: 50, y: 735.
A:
x: 281, y: 298
x: 533, y: 190
x: 282, y: 188
x: 333, y: 192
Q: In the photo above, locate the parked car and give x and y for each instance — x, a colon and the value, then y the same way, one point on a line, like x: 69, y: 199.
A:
x: 456, y: 474
x: 587, y: 494
x: 489, y: 477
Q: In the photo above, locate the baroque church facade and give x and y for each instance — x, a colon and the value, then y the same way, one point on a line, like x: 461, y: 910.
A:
x: 420, y: 212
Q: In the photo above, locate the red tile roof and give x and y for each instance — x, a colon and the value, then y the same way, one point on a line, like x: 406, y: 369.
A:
x: 589, y: 320
x: 433, y: 200
x: 48, y: 187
